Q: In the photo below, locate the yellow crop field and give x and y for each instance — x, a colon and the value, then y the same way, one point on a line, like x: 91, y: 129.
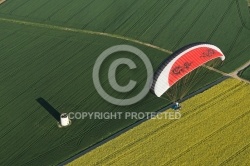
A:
x: 213, y: 130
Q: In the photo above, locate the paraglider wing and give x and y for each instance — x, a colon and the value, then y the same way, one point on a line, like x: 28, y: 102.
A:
x: 181, y: 63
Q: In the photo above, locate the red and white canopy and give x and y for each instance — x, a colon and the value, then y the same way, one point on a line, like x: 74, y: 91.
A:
x: 182, y: 62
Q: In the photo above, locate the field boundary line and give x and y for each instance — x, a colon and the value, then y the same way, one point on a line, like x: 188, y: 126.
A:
x: 83, y: 152
x: 61, y: 28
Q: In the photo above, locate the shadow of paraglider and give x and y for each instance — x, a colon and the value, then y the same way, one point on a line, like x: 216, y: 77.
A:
x: 51, y: 110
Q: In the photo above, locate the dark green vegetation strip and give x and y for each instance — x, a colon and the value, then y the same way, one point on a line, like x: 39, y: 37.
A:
x: 56, y: 65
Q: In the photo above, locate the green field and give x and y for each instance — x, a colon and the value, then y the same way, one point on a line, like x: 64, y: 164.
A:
x: 213, y: 130
x: 57, y: 66
x: 48, y: 50
x: 168, y: 24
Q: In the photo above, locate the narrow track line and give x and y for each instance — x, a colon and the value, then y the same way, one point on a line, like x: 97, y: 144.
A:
x: 61, y: 28
x: 48, y: 26
x: 235, y: 154
x: 216, y: 70
x: 206, y: 138
x: 234, y: 74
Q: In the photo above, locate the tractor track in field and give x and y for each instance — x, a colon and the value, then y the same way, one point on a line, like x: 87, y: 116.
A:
x: 61, y: 28
x: 233, y: 74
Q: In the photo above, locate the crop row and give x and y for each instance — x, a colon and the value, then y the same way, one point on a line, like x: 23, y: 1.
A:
x: 210, y: 129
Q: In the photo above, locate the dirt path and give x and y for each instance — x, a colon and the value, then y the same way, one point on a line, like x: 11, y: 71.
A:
x: 2, y: 1
x: 61, y: 28
x: 236, y: 71
x: 216, y: 70
x: 234, y: 74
